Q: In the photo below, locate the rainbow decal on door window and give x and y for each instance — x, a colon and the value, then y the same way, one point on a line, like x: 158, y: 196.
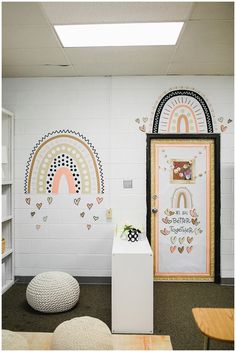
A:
x: 183, y: 111
x: 182, y: 198
x: 66, y: 154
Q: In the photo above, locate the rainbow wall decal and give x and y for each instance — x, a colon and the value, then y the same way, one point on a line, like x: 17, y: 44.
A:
x: 182, y: 198
x: 182, y: 111
x: 64, y: 153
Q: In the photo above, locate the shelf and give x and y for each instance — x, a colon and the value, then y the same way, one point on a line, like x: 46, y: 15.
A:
x: 7, y: 252
x: 7, y: 285
x: 6, y: 183
x: 7, y: 218
x: 7, y: 112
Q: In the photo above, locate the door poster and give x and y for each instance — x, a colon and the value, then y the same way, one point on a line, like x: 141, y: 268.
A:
x: 182, y: 207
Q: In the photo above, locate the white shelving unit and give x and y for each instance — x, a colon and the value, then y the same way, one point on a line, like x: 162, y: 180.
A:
x: 7, y: 199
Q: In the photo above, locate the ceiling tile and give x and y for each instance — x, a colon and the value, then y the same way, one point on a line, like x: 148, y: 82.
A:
x: 124, y: 69
x: 37, y: 71
x: 34, y: 56
x: 120, y: 55
x: 110, y: 12
x: 206, y: 41
x: 20, y: 36
x: 203, y: 68
x: 23, y: 13
x: 213, y: 10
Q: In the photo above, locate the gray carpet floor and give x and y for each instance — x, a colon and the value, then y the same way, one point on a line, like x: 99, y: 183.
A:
x: 172, y: 310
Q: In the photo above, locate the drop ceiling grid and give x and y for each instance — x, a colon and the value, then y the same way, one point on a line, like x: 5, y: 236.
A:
x: 29, y: 40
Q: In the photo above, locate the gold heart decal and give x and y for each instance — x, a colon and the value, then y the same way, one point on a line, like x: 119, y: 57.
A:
x: 45, y: 218
x: 49, y: 199
x: 32, y: 213
x: 172, y: 249
x: 88, y: 227
x: 99, y: 200
x: 145, y: 119
x: 89, y: 205
x: 220, y: 119
x: 137, y: 120
x: 181, y: 249
x: 95, y: 218
x: 77, y: 200
x: 28, y: 200
x: 39, y: 205
x: 173, y: 239
x: 82, y: 214
x: 229, y: 121
x: 189, y: 239
x: 181, y: 240
x: 194, y: 221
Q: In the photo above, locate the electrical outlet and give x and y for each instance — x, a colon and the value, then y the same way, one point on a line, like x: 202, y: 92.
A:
x: 109, y: 214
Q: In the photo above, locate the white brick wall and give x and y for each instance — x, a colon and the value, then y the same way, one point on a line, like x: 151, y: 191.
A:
x: 104, y: 110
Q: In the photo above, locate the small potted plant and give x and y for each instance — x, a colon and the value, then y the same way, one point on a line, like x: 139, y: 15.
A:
x: 130, y: 233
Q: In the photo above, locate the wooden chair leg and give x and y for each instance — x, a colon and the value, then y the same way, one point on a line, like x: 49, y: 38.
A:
x: 206, y: 343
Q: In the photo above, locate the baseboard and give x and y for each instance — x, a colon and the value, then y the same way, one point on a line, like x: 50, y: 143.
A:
x: 102, y: 280
x: 228, y: 281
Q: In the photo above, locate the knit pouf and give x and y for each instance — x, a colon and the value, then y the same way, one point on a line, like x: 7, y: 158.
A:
x: 53, y: 292
x: 13, y: 341
x: 84, y: 333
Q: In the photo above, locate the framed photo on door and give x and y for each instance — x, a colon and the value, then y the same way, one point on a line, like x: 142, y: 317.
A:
x: 183, y: 206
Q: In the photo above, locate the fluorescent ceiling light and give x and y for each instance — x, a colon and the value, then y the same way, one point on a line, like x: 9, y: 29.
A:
x: 122, y: 34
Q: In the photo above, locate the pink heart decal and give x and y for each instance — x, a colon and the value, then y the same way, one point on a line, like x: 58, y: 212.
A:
x: 189, y: 249
x: 172, y: 249
x: 142, y: 128
x: 165, y: 232
x: 223, y: 128
x: 99, y: 200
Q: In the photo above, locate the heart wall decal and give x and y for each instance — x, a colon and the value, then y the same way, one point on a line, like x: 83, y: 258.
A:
x: 49, y: 199
x: 77, y: 200
x: 89, y: 205
x: 99, y: 200
x: 28, y: 200
x: 39, y: 205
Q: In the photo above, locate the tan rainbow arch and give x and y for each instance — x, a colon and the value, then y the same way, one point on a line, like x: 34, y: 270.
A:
x: 68, y: 154
x: 182, y: 196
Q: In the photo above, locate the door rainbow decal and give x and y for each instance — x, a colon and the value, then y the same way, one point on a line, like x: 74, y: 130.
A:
x: 183, y: 111
x: 64, y: 154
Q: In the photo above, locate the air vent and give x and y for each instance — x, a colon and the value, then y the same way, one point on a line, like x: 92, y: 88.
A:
x: 127, y: 183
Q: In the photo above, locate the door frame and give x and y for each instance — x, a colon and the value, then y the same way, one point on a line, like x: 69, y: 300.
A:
x: 217, y: 186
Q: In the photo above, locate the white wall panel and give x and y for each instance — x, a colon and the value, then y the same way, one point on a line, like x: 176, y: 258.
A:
x: 104, y: 109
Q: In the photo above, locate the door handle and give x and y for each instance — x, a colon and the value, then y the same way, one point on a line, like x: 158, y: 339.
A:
x: 154, y: 210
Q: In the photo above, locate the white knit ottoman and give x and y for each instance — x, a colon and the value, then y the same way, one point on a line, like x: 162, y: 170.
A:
x: 83, y: 333
x: 53, y: 292
x: 13, y: 341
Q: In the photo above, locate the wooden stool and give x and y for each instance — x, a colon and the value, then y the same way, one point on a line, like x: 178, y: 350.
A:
x: 215, y: 323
